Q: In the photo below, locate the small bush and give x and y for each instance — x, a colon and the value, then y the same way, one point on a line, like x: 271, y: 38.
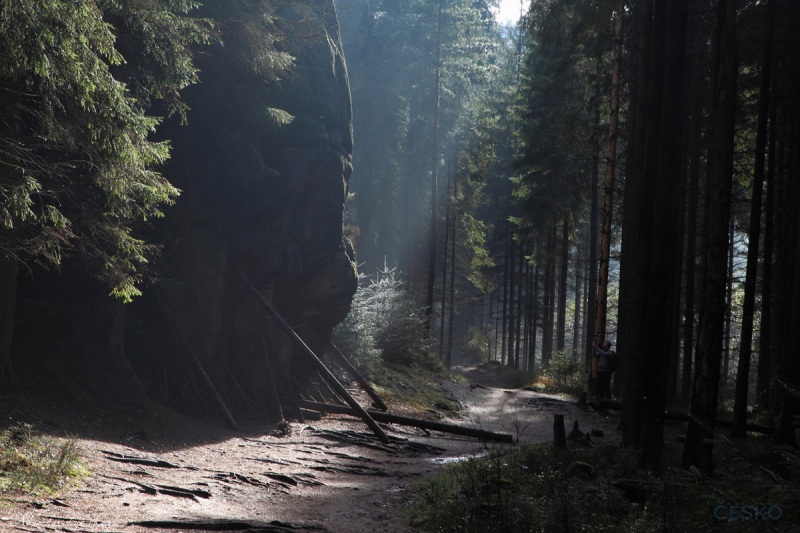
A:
x: 34, y: 463
x: 601, y: 489
x: 476, y: 349
x: 562, y: 375
x: 384, y: 325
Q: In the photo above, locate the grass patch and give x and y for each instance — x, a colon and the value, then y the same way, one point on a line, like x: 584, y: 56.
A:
x: 415, y: 388
x: 36, y: 464
x: 543, y: 489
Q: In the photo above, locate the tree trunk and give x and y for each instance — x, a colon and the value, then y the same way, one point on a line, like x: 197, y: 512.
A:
x: 765, y: 359
x: 549, y: 282
x: 511, y: 258
x: 520, y: 284
x: 8, y: 306
x: 695, y: 129
x: 754, y: 234
x: 535, y: 319
x: 726, y: 354
x: 699, y: 439
x: 503, y: 329
x: 637, y: 218
x: 452, y: 282
x: 591, y: 300
x: 562, y: 288
x: 434, y: 168
x: 444, y: 273
x: 576, y: 326
x: 655, y: 365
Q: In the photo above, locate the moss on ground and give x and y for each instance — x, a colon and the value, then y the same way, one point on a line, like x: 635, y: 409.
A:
x: 35, y: 463
x: 415, y: 388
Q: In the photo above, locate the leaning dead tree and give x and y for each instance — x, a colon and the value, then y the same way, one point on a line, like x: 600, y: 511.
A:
x: 320, y: 366
x: 187, y: 346
x: 414, y: 422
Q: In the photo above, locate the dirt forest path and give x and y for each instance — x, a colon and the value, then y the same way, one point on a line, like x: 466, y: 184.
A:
x: 327, y: 476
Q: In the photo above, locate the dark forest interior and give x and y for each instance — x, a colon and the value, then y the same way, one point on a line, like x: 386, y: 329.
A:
x: 240, y: 210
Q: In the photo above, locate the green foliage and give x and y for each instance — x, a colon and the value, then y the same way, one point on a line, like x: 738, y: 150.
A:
x: 561, y: 89
x: 384, y: 325
x: 543, y: 489
x: 476, y: 348
x: 76, y: 163
x: 563, y: 375
x: 36, y: 464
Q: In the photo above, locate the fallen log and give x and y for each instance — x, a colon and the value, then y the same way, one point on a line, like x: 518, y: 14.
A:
x: 198, y: 365
x: 415, y: 422
x: 323, y: 370
x: 345, y: 362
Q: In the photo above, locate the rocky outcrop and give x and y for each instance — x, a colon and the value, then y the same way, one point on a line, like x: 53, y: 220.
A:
x: 258, y: 198
x: 264, y: 200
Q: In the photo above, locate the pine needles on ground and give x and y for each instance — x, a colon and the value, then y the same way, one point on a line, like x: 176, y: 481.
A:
x: 35, y: 463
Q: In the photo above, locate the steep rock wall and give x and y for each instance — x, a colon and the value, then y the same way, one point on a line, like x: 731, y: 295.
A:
x: 258, y: 198
x: 263, y: 199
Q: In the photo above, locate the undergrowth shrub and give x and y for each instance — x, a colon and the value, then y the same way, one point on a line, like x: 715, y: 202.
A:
x: 476, y: 349
x: 598, y: 489
x: 384, y: 326
x: 562, y: 375
x: 35, y: 463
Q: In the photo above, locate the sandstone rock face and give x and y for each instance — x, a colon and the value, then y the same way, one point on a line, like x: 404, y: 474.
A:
x: 262, y: 199
x: 258, y: 198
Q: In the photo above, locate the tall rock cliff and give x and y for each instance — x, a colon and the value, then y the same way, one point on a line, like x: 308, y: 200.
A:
x: 259, y: 198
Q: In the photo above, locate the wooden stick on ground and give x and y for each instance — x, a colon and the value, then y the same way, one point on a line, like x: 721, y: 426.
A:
x: 323, y: 370
x: 193, y: 356
x: 415, y: 422
x: 359, y: 379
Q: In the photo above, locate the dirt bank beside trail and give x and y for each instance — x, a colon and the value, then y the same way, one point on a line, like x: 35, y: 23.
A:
x: 327, y: 476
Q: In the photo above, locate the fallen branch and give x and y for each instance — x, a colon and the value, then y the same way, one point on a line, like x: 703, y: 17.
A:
x: 415, y: 422
x: 323, y: 370
x: 273, y: 527
x: 345, y: 362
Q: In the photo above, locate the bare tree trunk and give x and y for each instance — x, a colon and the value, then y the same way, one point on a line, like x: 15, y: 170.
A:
x: 8, y: 305
x: 444, y: 273
x: 576, y: 325
x: 726, y: 355
x: 535, y: 319
x: 695, y: 129
x: 452, y: 282
x: 591, y: 299
x: 562, y: 288
x: 765, y: 360
x: 748, y: 306
x: 434, y: 169
x: 754, y: 234
x: 549, y: 282
x: 611, y: 163
x: 503, y: 330
x: 655, y: 365
x: 511, y: 258
x: 699, y: 439
x: 520, y: 285
x: 637, y: 218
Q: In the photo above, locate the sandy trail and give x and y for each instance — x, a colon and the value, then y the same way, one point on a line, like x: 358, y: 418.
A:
x: 328, y: 476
